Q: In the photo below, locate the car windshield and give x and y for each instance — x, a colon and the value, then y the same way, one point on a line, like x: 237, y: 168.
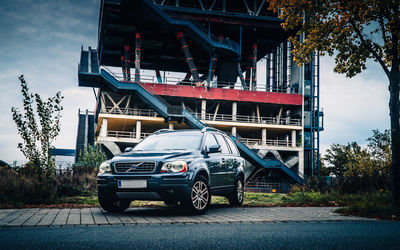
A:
x: 171, y: 141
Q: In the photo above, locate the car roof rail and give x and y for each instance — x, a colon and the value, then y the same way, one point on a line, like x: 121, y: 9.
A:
x: 207, y: 129
x: 163, y: 130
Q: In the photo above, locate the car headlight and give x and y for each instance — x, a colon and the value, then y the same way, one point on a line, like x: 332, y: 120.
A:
x: 174, y: 167
x: 105, y: 167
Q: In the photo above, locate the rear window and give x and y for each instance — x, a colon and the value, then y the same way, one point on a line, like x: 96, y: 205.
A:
x: 232, y: 146
x: 224, y: 146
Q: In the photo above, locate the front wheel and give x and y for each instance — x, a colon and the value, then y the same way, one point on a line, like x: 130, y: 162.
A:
x: 236, y: 198
x: 113, y: 205
x: 200, y: 196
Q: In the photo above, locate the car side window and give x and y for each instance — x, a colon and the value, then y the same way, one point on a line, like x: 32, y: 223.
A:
x: 210, y: 140
x: 224, y: 146
x: 232, y: 146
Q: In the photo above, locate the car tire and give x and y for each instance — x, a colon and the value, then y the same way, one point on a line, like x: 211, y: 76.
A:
x: 200, y: 196
x: 237, y: 197
x: 113, y: 205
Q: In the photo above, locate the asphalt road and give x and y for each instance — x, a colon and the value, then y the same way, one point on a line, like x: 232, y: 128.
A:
x: 289, y: 235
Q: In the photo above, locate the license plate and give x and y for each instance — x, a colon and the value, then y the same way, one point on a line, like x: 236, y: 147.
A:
x: 132, y: 184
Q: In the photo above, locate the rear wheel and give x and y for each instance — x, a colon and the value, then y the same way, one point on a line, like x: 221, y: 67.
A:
x: 112, y: 204
x: 236, y: 198
x: 200, y: 196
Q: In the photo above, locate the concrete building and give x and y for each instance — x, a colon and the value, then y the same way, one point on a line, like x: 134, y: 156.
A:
x: 195, y: 64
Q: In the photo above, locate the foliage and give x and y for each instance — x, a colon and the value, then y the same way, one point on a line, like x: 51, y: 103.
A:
x: 38, y: 129
x: 92, y: 157
x: 353, y: 160
x: 17, y: 186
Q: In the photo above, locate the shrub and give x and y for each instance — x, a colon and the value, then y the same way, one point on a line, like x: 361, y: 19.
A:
x: 19, y: 187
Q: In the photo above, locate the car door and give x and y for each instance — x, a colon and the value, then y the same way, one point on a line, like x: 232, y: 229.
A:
x: 236, y: 159
x: 226, y: 162
x: 213, y: 162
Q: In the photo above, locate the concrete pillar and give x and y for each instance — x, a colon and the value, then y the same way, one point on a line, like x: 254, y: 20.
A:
x: 138, y: 53
x: 86, y: 128
x: 103, y: 129
x: 264, y: 136
x: 138, y: 129
x: 203, y: 109
x: 293, y: 138
x: 301, y: 163
x: 234, y: 111
x: 170, y: 126
x: 234, y: 131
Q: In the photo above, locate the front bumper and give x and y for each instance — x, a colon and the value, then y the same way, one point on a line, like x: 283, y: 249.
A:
x: 173, y: 186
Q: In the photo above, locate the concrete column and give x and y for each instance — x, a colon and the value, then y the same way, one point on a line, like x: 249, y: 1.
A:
x: 138, y: 129
x: 234, y: 131
x: 293, y: 138
x: 264, y: 136
x: 234, y: 111
x: 138, y: 53
x: 86, y: 128
x: 103, y: 129
x: 170, y: 126
x: 203, y: 109
x: 301, y: 163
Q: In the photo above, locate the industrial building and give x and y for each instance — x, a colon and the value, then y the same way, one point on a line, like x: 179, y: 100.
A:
x: 193, y: 63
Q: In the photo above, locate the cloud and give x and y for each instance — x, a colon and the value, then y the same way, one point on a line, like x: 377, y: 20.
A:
x: 352, y: 106
x: 42, y: 40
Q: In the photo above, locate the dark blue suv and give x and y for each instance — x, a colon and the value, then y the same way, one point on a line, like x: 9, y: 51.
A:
x: 184, y: 166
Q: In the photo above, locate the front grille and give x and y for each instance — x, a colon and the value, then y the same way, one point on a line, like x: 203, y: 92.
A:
x: 134, y: 167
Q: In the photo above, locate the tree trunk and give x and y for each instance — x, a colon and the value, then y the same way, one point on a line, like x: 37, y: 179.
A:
x: 394, y: 105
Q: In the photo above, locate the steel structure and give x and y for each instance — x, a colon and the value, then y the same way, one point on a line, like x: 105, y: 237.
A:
x: 195, y: 64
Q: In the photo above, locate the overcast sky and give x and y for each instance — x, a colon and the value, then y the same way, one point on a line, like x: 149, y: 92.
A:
x: 42, y: 40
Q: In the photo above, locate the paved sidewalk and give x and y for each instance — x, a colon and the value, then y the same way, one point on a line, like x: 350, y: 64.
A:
x: 170, y: 215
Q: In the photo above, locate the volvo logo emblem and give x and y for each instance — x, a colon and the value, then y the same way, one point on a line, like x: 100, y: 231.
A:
x: 134, y: 166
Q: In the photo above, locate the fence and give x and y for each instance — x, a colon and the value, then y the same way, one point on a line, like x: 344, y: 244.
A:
x: 265, y: 187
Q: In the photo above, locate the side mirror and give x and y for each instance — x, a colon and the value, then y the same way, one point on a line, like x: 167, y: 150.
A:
x: 128, y: 149
x: 213, y: 149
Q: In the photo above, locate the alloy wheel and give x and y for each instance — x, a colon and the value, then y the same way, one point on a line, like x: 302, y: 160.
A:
x: 200, y: 195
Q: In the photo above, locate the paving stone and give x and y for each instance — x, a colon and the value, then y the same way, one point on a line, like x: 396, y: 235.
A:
x: 12, y: 216
x: 22, y: 218
x: 139, y: 219
x: 98, y: 216
x: 74, y: 217
x: 37, y: 216
x: 112, y: 218
x: 62, y: 217
x: 48, y: 218
x: 86, y: 217
x: 124, y: 218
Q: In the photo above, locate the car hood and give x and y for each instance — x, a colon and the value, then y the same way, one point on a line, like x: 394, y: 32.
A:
x: 154, y: 155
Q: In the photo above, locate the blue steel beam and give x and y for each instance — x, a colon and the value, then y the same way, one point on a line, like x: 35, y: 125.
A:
x: 200, y: 36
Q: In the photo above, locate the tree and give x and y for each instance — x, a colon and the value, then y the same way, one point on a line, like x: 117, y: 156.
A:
x: 380, y: 149
x: 352, y: 31
x: 92, y: 157
x: 345, y: 160
x: 38, y: 127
